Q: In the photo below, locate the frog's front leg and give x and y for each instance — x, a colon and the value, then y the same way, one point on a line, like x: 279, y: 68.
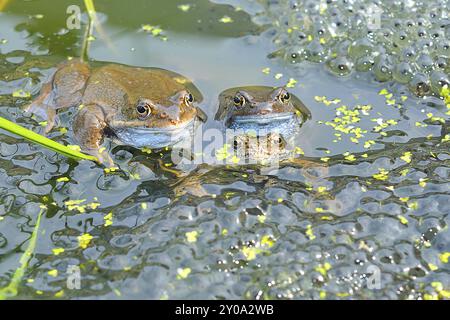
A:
x: 64, y: 89
x: 89, y: 130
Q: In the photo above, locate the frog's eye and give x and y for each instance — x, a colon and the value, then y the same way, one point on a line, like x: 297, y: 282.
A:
x: 143, y: 110
x: 284, y: 96
x: 238, y: 101
x: 188, y: 98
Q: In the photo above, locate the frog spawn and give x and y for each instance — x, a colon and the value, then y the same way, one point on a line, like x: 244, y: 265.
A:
x: 410, y: 45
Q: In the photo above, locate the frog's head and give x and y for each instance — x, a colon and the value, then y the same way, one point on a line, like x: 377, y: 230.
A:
x: 172, y: 112
x: 160, y: 118
x: 261, y: 107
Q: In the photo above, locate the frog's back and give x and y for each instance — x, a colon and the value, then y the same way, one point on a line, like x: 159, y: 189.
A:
x: 116, y: 85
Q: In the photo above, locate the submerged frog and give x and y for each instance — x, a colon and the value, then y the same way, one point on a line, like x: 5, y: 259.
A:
x: 261, y: 108
x: 141, y: 107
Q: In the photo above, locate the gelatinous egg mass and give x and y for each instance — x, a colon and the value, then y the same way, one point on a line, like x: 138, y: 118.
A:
x: 405, y: 41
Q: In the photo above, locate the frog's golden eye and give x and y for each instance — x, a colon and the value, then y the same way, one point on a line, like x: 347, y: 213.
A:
x: 238, y: 101
x: 143, y: 110
x: 188, y: 98
x: 284, y: 96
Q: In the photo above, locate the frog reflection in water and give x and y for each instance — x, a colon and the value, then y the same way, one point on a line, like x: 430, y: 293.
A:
x: 141, y: 107
x: 260, y: 114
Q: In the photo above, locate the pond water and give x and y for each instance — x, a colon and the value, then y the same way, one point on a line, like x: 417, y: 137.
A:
x: 364, y: 214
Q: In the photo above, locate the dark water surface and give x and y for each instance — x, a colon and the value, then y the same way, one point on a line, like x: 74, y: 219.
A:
x: 373, y: 201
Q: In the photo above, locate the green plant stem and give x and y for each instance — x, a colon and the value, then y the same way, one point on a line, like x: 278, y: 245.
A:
x: 94, y: 24
x: 86, y: 41
x: 43, y: 141
x: 11, y: 290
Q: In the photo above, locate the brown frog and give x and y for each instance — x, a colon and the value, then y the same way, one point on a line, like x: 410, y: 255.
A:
x: 141, y: 107
x: 260, y: 108
x: 261, y: 118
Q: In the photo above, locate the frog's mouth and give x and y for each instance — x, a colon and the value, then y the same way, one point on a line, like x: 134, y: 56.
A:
x: 263, y: 119
x: 284, y: 123
x: 155, y: 138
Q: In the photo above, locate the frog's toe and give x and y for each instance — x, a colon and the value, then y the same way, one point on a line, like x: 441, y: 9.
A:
x: 108, y: 161
x: 52, y: 120
x: 44, y: 112
x: 103, y: 157
x: 42, y: 107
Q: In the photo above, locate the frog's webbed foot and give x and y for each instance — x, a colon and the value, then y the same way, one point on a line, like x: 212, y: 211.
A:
x: 103, y: 156
x: 315, y: 174
x: 43, y: 107
x: 193, y: 188
x: 191, y: 184
x: 313, y: 171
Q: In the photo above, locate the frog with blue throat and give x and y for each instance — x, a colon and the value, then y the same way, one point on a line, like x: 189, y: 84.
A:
x: 140, y: 107
x: 257, y: 108
x: 262, y: 119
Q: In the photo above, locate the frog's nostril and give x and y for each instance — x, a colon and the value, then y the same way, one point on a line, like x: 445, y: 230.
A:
x: 265, y: 111
x: 163, y: 115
